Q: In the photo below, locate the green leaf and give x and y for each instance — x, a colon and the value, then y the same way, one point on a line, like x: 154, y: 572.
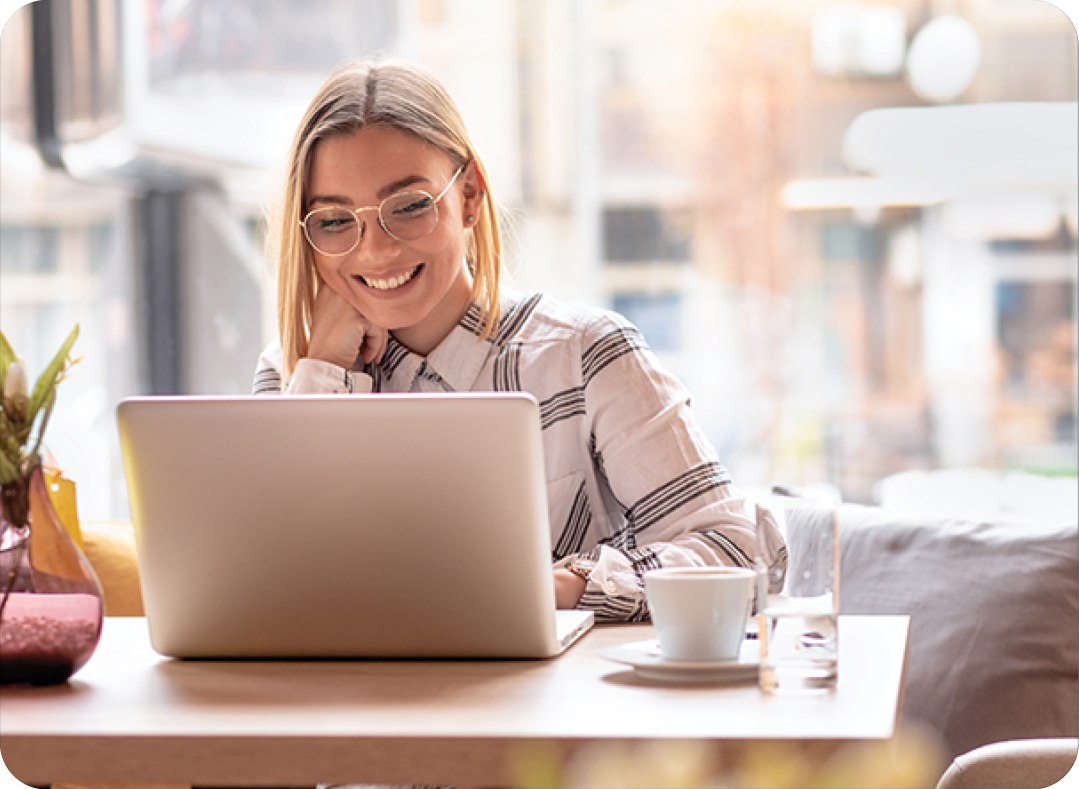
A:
x: 46, y: 382
x: 50, y: 401
x: 22, y: 433
x: 8, y: 471
x: 7, y: 356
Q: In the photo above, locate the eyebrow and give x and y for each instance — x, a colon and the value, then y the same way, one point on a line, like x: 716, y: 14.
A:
x: 389, y: 189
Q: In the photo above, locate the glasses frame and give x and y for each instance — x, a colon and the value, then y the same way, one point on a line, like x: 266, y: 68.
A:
x: 362, y: 231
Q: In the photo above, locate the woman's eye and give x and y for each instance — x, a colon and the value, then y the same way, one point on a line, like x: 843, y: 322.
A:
x: 419, y: 205
x: 336, y: 224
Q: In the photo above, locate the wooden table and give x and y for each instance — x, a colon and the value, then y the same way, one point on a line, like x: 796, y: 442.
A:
x: 131, y: 716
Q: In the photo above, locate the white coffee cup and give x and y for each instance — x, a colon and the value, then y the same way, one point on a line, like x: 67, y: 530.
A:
x: 699, y: 612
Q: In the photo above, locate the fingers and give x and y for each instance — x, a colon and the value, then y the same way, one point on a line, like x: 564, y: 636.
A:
x: 569, y: 588
x: 339, y: 333
x: 374, y: 343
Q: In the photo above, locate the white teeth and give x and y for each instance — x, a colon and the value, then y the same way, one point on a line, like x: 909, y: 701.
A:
x: 393, y: 282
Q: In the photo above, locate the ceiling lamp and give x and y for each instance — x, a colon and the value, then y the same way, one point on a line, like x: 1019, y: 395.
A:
x: 943, y: 59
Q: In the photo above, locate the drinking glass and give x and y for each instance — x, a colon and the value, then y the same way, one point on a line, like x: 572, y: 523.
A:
x: 798, y: 601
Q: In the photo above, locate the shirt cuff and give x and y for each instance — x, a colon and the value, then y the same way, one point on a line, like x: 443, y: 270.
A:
x: 614, y: 574
x: 615, y: 591
x: 313, y: 376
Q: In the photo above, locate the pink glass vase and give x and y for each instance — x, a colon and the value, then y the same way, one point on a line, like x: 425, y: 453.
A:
x: 50, y: 599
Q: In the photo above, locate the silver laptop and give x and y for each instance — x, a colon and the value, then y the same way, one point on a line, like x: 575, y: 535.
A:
x: 363, y: 526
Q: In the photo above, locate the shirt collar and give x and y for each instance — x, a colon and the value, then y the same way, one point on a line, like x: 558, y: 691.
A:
x: 458, y: 359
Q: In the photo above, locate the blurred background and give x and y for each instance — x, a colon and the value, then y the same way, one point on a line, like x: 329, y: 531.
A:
x: 850, y: 228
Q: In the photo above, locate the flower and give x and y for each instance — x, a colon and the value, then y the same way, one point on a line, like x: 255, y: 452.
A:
x: 16, y: 391
x: 25, y: 413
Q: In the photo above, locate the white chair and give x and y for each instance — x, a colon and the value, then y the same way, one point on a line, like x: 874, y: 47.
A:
x: 1014, y: 764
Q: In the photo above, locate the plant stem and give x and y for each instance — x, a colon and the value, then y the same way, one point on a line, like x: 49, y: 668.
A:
x: 15, y: 501
x: 12, y: 577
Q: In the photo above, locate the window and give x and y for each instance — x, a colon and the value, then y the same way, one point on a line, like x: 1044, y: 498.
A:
x: 646, y: 235
x: 848, y: 241
x: 29, y: 249
x: 1036, y: 332
x: 641, y: 151
x: 658, y: 316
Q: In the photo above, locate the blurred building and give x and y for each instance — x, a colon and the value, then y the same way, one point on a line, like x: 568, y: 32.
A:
x: 684, y: 163
x: 847, y: 338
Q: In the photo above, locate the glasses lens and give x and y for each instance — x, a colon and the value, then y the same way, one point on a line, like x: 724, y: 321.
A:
x: 333, y: 231
x: 410, y: 215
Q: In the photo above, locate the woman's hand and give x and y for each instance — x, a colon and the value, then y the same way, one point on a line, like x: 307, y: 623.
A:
x: 339, y: 333
x: 568, y: 588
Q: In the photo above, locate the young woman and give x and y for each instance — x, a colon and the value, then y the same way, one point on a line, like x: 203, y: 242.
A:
x: 388, y: 265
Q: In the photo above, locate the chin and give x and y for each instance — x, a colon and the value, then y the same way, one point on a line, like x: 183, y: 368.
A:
x: 395, y: 320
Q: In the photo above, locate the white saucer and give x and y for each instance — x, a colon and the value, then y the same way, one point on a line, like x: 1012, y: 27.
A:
x: 648, y: 663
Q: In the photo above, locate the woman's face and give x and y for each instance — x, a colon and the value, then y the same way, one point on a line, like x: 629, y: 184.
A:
x: 417, y: 289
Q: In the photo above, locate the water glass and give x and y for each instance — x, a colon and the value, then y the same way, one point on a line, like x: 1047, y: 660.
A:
x: 798, y: 600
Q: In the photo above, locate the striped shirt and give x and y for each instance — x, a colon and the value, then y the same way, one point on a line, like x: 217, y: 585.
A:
x: 632, y: 483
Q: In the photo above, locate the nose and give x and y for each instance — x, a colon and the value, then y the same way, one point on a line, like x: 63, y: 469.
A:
x: 375, y: 242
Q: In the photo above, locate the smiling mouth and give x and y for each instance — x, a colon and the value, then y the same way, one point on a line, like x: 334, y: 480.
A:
x: 392, y: 282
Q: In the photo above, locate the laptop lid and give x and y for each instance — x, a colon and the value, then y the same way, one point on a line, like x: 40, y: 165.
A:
x: 342, y: 526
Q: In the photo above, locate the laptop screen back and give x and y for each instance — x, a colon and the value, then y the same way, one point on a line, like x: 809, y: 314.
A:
x: 341, y: 526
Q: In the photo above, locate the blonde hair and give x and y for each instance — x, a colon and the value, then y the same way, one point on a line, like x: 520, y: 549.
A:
x: 362, y: 95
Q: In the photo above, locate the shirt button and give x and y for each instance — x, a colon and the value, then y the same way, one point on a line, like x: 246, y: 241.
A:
x: 610, y: 587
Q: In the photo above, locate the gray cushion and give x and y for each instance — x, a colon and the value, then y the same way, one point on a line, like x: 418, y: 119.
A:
x: 994, y: 651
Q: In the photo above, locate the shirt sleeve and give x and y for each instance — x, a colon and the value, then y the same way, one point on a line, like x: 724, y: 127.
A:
x: 676, y: 504
x: 311, y: 376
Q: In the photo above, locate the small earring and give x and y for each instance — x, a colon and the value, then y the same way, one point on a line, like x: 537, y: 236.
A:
x: 471, y: 220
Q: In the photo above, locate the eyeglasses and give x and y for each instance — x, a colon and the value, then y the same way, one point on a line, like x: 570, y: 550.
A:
x: 406, y: 216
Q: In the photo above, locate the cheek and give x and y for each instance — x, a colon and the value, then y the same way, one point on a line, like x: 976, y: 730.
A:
x: 329, y: 272
x: 451, y: 247
x: 328, y: 269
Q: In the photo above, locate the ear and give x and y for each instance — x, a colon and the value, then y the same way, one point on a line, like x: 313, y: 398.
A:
x: 473, y: 190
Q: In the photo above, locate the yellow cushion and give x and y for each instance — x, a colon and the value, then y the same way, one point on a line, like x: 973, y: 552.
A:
x: 110, y: 547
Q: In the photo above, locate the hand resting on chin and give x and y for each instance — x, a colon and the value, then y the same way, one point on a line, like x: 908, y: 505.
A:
x: 339, y: 333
